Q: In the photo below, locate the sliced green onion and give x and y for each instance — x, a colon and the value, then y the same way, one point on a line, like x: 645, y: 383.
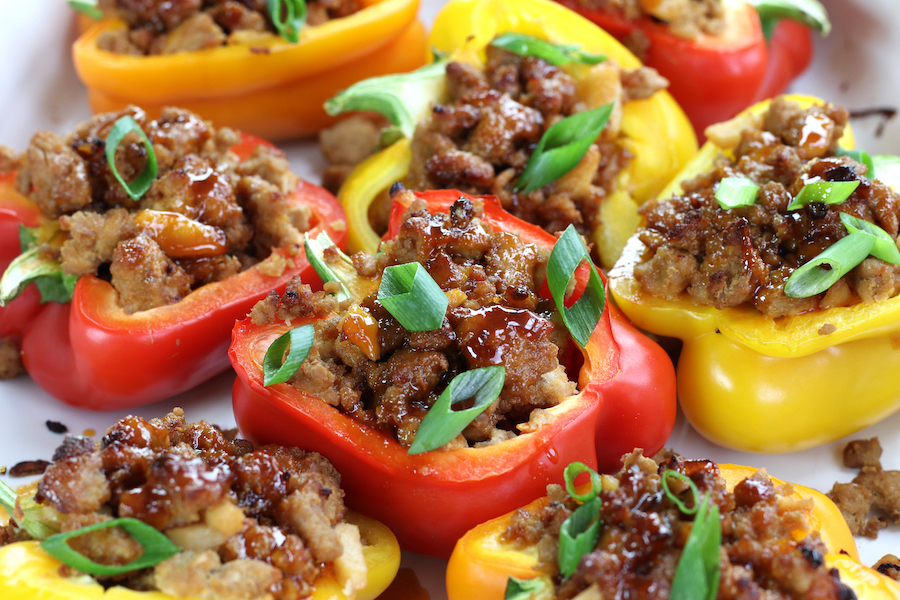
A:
x: 31, y: 267
x: 157, y: 548
x: 300, y: 339
x: 555, y: 54
x: 736, y: 191
x: 697, y: 573
x: 315, y: 254
x: 142, y: 182
x: 290, y: 21
x: 573, y: 470
x: 441, y: 423
x: 539, y: 588
x: 860, y: 156
x: 885, y: 247
x: 403, y: 99
x: 578, y: 536
x: 834, y: 262
x: 809, y: 12
x: 35, y: 528
x: 664, y: 481
x: 581, y: 318
x: 888, y: 167
x: 562, y: 147
x: 88, y: 7
x: 412, y: 297
x: 830, y: 192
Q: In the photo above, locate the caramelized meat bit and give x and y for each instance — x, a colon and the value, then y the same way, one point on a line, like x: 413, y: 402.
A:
x: 685, y: 18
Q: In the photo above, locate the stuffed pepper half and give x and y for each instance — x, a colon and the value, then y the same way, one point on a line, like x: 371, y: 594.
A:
x: 166, y: 509
x: 155, y: 236
x: 673, y: 529
x: 534, y: 105
x: 777, y: 265
x: 262, y: 67
x: 450, y: 377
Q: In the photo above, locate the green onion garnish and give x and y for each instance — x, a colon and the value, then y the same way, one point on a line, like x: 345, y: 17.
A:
x: 581, y: 318
x: 290, y: 21
x: 888, y: 167
x: 441, y: 423
x: 88, y: 7
x: 300, y: 340
x: 35, y: 528
x: 32, y: 267
x: 142, y: 182
x: 562, y: 147
x: 697, y: 573
x: 555, y: 54
x: 664, y: 481
x: 885, y: 247
x: 860, y: 156
x: 578, y: 535
x: 528, y: 589
x: 315, y: 254
x: 157, y: 548
x: 736, y: 191
x: 830, y: 192
x: 573, y: 470
x: 412, y: 297
x: 809, y: 12
x: 834, y: 262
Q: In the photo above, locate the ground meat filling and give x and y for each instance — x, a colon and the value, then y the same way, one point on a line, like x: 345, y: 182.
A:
x: 481, y: 139
x: 390, y: 377
x: 190, y: 25
x: 769, y: 549
x: 728, y: 258
x: 205, y: 217
x: 248, y: 522
x: 685, y: 18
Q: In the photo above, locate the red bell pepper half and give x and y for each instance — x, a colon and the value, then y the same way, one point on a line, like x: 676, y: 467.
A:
x: 89, y: 353
x: 715, y: 77
x: 429, y: 500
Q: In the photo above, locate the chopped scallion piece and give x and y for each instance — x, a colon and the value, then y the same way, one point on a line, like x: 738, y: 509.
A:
x: 664, y: 481
x: 830, y: 192
x: 888, y: 168
x: 860, y: 156
x: 885, y: 247
x: 697, y: 573
x: 581, y: 318
x: 441, y: 423
x: 736, y: 191
x: 538, y: 588
x: 562, y: 147
x: 290, y: 21
x: 33, y: 267
x: 276, y: 367
x: 809, y: 12
x: 578, y: 536
x: 315, y: 254
x: 834, y: 262
x: 35, y: 528
x: 412, y: 297
x: 157, y: 548
x: 142, y: 182
x: 573, y: 470
x: 88, y: 7
x: 555, y: 54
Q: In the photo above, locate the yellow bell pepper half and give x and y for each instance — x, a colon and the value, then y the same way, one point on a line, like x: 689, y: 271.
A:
x: 268, y: 87
x: 483, y: 561
x: 754, y: 383
x: 27, y: 572
x: 654, y: 131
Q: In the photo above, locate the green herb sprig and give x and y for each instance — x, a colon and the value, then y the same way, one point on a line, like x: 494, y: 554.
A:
x: 278, y: 368
x: 733, y: 192
x: 580, y: 318
x: 122, y: 127
x: 555, y: 54
x: 412, y: 297
x: 288, y: 21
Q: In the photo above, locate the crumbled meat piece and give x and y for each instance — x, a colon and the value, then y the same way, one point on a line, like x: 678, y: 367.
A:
x: 860, y: 454
x: 872, y: 500
x: 685, y: 18
x: 10, y: 358
x: 57, y: 427
x: 28, y: 467
x: 888, y: 565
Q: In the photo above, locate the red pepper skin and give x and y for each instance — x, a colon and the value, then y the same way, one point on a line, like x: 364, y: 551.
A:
x: 90, y: 354
x: 715, y: 77
x: 430, y: 500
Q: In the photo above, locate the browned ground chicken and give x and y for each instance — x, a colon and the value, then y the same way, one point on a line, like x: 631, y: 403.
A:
x: 495, y: 316
x: 643, y: 533
x: 248, y: 522
x: 205, y: 217
x: 684, y: 18
x: 190, y: 25
x: 481, y: 139
x: 728, y: 258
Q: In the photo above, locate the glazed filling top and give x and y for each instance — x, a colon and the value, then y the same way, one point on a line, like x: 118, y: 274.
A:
x: 368, y: 366
x: 768, y: 547
x: 190, y: 25
x: 247, y: 522
x: 205, y: 217
x: 481, y: 139
x: 685, y: 18
x: 731, y: 257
